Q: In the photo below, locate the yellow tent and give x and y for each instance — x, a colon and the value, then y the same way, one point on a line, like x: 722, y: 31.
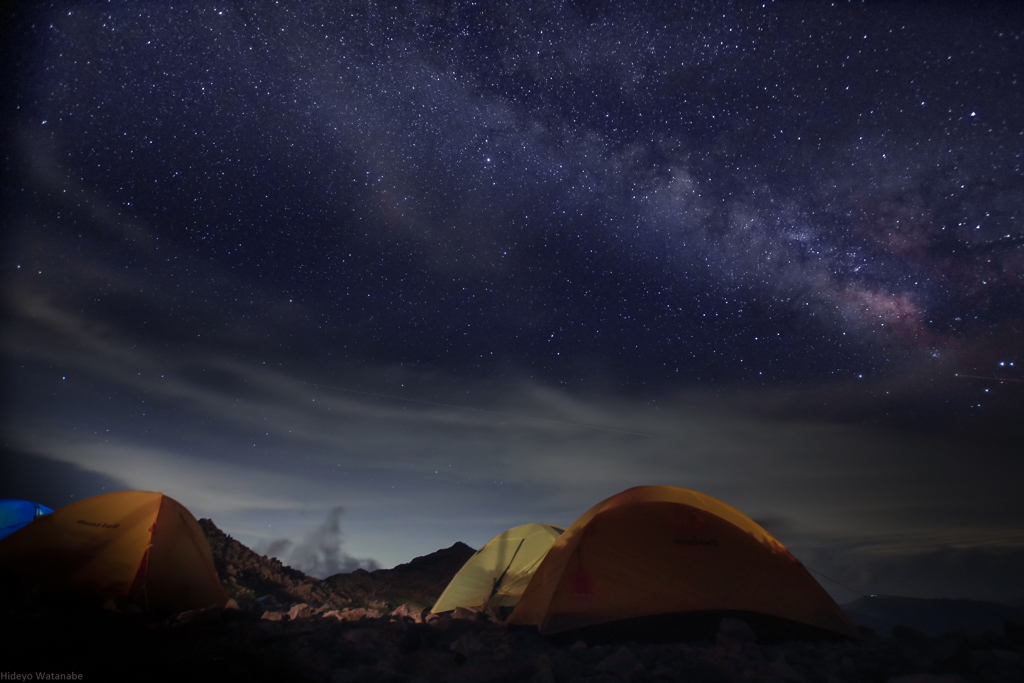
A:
x: 139, y: 545
x: 497, y: 574
x: 663, y: 550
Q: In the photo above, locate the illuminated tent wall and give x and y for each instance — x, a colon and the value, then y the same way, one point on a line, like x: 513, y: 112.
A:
x: 15, y: 514
x: 139, y: 545
x: 497, y: 574
x: 662, y: 550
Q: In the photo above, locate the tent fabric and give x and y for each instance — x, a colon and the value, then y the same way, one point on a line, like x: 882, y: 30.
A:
x: 139, y: 545
x: 497, y: 574
x: 15, y: 514
x: 659, y: 550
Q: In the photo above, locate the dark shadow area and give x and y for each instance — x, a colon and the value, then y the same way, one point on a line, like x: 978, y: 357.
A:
x: 98, y: 645
x: 693, y: 627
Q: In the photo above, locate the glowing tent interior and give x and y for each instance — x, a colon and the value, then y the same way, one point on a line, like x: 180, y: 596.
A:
x: 497, y: 574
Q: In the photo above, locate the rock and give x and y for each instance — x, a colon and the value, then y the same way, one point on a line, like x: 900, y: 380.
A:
x: 201, y: 616
x: 622, y: 663
x: 464, y: 613
x: 366, y: 674
x: 406, y: 611
x: 348, y: 614
x: 300, y: 611
x: 909, y: 635
x: 492, y: 672
x: 467, y: 645
x: 544, y: 670
x: 430, y: 664
x: 774, y: 672
x: 735, y: 630
x: 578, y: 645
x: 362, y: 637
x: 996, y: 664
x: 272, y: 616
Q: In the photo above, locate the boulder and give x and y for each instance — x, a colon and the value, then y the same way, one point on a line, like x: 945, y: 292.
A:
x: 465, y: 613
x: 201, y: 616
x: 300, y: 611
x: 407, y: 611
x: 467, y: 645
x: 622, y: 664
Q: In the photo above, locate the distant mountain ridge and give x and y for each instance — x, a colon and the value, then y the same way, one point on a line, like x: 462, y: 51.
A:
x: 249, y: 577
x: 418, y: 582
x: 933, y: 617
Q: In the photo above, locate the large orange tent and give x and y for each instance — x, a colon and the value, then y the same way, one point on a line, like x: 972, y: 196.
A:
x: 655, y: 551
x: 139, y: 545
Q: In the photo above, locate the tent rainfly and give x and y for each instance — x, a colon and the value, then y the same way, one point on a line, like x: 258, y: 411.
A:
x: 658, y: 551
x: 138, y: 545
x: 497, y: 574
x: 15, y: 514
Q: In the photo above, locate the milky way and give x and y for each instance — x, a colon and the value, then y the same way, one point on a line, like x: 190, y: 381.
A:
x: 440, y: 200
x: 662, y: 193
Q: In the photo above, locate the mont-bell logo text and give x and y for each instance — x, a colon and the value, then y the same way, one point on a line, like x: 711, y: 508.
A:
x: 100, y: 525
x: 38, y: 676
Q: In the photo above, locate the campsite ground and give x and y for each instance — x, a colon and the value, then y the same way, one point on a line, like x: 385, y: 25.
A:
x: 239, y: 645
x: 291, y: 627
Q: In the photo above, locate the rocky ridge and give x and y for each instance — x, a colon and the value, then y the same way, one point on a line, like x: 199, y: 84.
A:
x: 257, y: 581
x: 419, y: 582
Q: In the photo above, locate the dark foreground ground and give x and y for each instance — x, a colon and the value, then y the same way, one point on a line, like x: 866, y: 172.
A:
x: 374, y: 627
x: 324, y: 645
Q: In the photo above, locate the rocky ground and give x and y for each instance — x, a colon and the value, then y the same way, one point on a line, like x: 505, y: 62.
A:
x: 353, y: 645
x: 291, y: 627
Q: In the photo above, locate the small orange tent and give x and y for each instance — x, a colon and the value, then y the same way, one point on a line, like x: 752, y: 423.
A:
x: 139, y: 545
x: 661, y: 550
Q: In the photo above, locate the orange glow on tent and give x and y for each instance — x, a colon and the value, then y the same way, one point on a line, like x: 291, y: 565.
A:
x: 139, y: 545
x: 658, y: 550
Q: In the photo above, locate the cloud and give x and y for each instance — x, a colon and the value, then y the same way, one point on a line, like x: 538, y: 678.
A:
x: 320, y: 554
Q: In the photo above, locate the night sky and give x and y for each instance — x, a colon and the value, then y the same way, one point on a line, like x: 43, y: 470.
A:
x: 359, y: 280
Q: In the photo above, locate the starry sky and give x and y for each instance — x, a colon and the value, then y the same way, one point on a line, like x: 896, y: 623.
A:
x: 359, y: 280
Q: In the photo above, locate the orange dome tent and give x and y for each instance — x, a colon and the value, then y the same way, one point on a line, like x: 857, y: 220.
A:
x: 658, y: 551
x: 138, y: 545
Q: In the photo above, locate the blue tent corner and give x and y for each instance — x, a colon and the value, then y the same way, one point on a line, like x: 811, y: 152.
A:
x: 15, y: 514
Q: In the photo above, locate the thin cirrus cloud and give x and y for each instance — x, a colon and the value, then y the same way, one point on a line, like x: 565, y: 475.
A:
x: 825, y: 478
x: 267, y: 453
